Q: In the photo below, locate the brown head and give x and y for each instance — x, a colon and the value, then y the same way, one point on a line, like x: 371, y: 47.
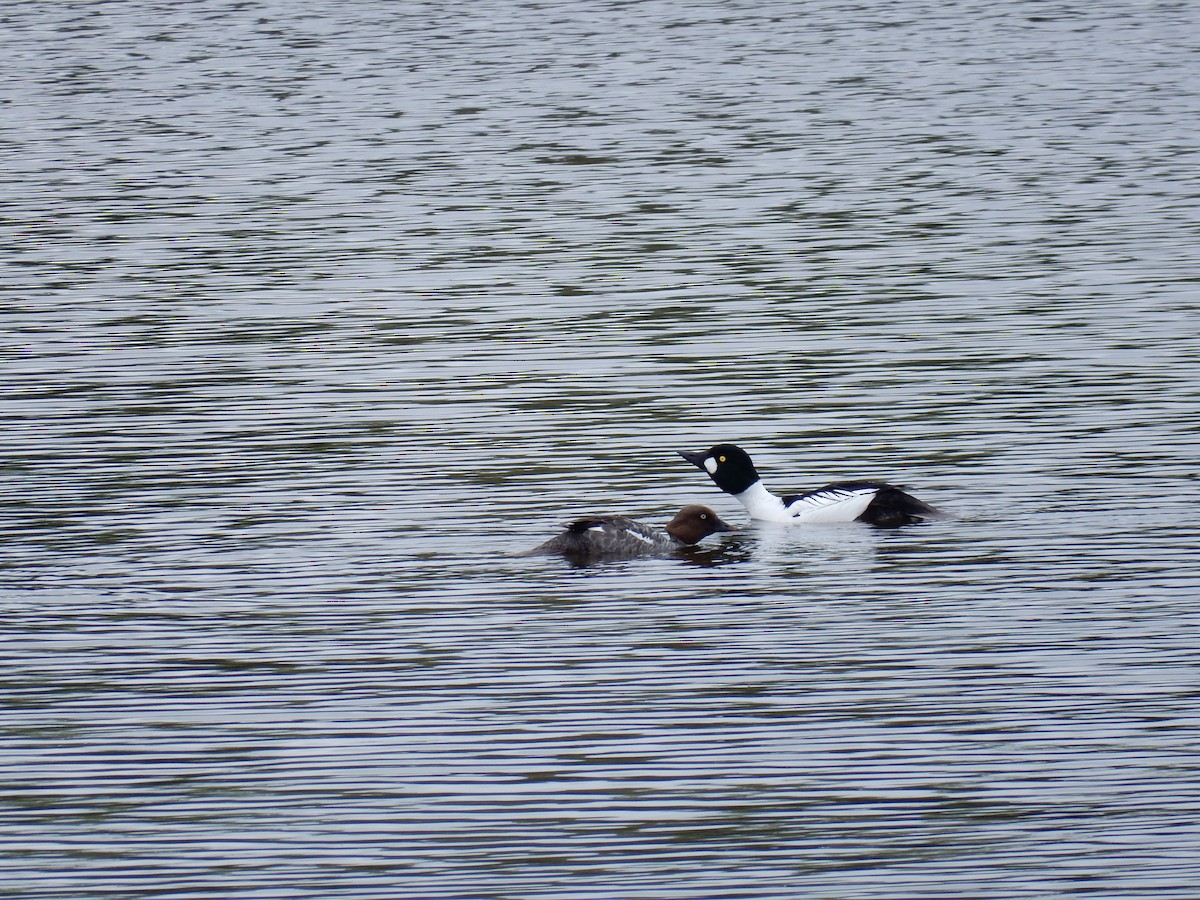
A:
x: 694, y: 523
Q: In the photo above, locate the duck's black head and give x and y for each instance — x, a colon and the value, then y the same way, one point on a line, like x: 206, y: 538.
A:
x: 727, y: 464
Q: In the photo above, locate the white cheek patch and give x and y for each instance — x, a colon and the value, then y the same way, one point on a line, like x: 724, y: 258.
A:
x: 710, y: 465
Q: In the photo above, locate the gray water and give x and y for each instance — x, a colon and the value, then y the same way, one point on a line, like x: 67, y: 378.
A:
x: 314, y: 313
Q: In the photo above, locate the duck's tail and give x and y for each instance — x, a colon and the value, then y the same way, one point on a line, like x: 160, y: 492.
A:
x: 891, y: 507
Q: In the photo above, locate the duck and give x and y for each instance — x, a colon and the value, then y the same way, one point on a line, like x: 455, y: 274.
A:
x: 873, y: 502
x: 595, y: 538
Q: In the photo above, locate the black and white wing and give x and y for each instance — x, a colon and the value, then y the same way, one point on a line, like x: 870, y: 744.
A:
x: 843, y: 501
x: 873, y: 502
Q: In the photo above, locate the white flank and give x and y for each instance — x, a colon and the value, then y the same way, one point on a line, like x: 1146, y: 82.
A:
x: 820, y: 507
x: 831, y: 506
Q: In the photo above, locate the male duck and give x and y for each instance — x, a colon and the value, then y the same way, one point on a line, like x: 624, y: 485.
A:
x: 595, y: 538
x: 873, y: 502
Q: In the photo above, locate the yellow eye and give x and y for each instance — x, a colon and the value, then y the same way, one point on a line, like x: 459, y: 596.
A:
x: 720, y: 459
x: 704, y: 515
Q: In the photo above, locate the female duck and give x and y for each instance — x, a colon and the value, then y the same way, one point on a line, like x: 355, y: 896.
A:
x: 594, y: 538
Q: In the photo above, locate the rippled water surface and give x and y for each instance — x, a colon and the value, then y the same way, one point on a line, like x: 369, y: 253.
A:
x: 315, y: 313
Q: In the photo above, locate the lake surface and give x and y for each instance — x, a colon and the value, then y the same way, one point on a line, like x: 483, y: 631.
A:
x: 314, y: 313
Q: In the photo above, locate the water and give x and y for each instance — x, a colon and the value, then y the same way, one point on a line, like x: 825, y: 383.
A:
x: 315, y: 312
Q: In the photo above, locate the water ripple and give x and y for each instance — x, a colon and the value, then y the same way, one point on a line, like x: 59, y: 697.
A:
x: 313, y: 315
